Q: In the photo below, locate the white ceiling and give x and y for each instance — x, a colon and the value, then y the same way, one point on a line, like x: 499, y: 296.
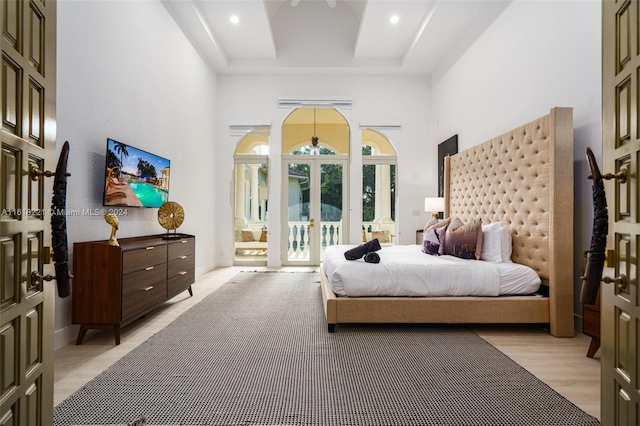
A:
x: 333, y: 36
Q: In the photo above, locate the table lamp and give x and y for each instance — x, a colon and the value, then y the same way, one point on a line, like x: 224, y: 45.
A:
x: 434, y: 205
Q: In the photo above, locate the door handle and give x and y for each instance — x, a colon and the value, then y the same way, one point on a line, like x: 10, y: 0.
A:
x: 592, y: 272
x: 35, y: 173
x: 37, y: 278
x: 621, y: 176
x: 59, y: 224
x: 620, y: 281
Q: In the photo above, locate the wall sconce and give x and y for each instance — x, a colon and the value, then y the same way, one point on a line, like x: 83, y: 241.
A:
x: 434, y: 205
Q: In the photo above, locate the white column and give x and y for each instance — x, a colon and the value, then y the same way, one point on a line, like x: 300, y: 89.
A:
x: 255, y: 197
x: 240, y: 197
x: 264, y: 196
x: 385, y: 193
x: 378, y: 200
x: 382, y: 219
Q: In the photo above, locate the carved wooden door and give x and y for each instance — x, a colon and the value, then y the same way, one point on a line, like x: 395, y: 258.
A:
x: 621, y: 155
x: 28, y: 139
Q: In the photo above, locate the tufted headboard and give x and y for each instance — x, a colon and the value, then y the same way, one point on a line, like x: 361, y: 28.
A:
x: 523, y: 178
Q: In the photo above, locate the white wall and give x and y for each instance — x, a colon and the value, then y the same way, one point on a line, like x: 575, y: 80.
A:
x: 126, y: 71
x: 401, y: 100
x: 536, y: 55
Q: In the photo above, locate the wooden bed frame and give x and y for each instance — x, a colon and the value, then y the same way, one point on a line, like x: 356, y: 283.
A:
x: 523, y: 178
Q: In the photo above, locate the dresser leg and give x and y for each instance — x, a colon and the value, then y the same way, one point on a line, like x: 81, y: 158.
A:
x: 116, y: 333
x: 190, y: 291
x: 81, y: 334
x: 593, y: 347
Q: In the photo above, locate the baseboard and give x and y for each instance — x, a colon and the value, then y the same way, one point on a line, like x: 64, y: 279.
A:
x: 64, y: 336
x: 200, y: 270
x: 577, y: 322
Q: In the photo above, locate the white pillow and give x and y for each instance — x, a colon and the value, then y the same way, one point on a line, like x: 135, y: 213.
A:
x: 491, y: 243
x: 506, y: 245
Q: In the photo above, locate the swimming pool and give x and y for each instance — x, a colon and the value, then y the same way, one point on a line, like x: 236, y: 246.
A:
x: 149, y: 195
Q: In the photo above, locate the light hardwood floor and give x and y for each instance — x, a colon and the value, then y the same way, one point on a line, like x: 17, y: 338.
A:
x: 561, y: 363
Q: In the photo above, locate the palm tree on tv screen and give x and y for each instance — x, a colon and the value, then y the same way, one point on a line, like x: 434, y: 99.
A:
x: 112, y: 159
x: 146, y: 170
x: 121, y: 149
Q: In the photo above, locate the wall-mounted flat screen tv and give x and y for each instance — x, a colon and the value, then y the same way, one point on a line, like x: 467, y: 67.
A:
x: 134, y: 178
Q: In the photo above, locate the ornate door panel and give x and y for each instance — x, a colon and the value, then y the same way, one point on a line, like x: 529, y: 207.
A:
x: 621, y: 156
x: 28, y: 140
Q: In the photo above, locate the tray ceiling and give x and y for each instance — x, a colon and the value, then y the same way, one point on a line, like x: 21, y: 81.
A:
x: 343, y: 36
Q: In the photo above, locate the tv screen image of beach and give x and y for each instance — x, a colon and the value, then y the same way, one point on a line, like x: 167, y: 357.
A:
x: 135, y: 178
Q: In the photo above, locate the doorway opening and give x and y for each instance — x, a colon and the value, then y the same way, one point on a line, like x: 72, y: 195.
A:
x: 379, y: 172
x: 315, y: 189
x: 251, y: 204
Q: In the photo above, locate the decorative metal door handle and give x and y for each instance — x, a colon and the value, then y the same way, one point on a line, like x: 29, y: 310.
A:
x: 37, y: 278
x: 59, y: 224
x: 621, y: 176
x: 620, y: 281
x: 596, y: 255
x: 35, y: 173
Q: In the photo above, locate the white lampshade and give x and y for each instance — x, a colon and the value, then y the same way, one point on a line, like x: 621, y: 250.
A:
x: 434, y: 204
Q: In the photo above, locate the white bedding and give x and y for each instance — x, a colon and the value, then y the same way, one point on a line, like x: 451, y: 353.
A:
x: 404, y: 270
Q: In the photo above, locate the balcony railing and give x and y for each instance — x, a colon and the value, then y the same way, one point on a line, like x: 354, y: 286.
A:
x: 298, y: 237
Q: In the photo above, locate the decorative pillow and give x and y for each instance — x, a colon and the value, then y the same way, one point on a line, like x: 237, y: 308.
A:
x: 506, y: 245
x: 438, y: 223
x: 464, y: 241
x: 433, y: 239
x: 263, y: 236
x: 491, y: 243
x: 247, y: 235
x: 430, y: 223
x: 435, y: 223
x: 238, y: 235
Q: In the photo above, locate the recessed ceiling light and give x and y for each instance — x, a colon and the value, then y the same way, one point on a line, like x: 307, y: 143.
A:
x: 234, y: 19
x: 394, y: 19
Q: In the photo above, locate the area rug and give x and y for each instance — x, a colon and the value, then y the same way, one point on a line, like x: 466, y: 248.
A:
x: 257, y: 352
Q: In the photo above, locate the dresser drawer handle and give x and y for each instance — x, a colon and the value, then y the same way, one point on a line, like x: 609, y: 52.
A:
x: 148, y: 288
x: 183, y: 273
x: 184, y: 241
x: 148, y: 268
x: 183, y: 257
x: 149, y: 248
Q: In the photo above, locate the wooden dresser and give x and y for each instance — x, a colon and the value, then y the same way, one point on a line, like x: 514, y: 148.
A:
x: 114, y: 286
x: 591, y: 326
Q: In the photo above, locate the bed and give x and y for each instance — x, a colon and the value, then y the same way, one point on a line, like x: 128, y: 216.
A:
x: 524, y: 179
x: 407, y: 271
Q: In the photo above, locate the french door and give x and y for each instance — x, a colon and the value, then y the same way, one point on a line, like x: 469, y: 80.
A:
x: 315, y: 206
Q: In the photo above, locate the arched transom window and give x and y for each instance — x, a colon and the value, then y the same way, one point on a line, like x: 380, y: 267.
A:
x: 315, y: 131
